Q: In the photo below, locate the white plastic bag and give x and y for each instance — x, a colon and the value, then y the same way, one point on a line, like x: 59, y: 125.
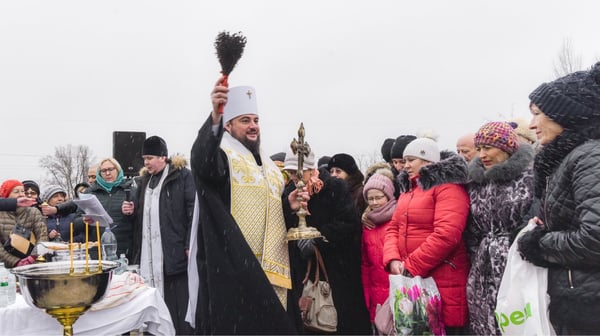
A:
x: 416, y: 306
x: 522, y: 305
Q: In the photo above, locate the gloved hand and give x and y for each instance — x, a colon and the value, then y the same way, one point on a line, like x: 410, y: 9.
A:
x: 25, y: 261
x: 307, y: 247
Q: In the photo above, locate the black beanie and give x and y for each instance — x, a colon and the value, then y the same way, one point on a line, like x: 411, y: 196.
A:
x: 31, y: 184
x: 323, y: 161
x: 343, y: 161
x: 386, y: 149
x: 156, y: 146
x: 397, y: 151
x: 572, y: 101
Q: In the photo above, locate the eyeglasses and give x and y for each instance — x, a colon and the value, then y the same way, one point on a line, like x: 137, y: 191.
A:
x: 30, y: 193
x: 375, y: 198
x: 107, y: 170
x: 91, y: 176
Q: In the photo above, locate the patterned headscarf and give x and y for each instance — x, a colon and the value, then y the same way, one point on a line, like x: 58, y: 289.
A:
x: 498, y: 134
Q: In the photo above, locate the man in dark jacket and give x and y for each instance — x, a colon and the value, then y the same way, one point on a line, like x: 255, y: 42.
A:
x: 165, y: 204
x: 242, y: 259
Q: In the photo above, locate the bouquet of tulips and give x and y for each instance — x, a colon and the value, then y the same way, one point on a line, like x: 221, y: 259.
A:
x: 416, y: 306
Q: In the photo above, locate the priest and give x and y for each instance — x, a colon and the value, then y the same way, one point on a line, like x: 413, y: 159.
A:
x: 238, y: 249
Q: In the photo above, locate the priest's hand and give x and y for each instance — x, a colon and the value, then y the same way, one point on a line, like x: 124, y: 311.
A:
x: 218, y: 97
x: 295, y: 202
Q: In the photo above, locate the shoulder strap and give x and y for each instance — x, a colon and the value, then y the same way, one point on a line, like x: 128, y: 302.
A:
x: 321, y: 265
x: 308, y: 265
x: 318, y: 265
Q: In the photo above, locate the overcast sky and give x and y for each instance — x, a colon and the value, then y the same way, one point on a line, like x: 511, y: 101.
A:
x: 355, y: 72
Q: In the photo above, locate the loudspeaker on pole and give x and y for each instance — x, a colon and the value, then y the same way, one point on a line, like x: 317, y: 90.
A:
x: 127, y: 149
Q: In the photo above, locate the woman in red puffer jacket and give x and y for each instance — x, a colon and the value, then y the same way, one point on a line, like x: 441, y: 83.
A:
x: 424, y: 237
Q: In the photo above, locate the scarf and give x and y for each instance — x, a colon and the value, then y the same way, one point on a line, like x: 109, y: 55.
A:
x: 109, y: 185
x: 551, y: 155
x: 382, y: 214
x: 315, y: 184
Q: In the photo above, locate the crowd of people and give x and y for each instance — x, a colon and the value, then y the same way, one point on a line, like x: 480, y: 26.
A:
x: 212, y: 237
x: 151, y: 219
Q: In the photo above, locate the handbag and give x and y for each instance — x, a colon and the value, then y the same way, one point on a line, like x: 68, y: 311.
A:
x: 522, y: 301
x: 20, y: 242
x: 384, y: 318
x: 416, y: 305
x: 316, y: 304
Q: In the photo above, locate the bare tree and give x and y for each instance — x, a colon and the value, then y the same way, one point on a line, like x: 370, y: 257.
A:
x: 364, y: 161
x: 67, y: 167
x: 567, y: 62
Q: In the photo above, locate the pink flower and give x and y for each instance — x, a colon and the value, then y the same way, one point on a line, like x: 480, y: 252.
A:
x: 434, y: 315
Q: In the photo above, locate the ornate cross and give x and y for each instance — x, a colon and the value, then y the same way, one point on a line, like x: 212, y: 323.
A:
x: 249, y: 93
x: 302, y: 149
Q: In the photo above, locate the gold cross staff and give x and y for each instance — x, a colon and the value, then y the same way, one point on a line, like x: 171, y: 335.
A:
x: 301, y: 149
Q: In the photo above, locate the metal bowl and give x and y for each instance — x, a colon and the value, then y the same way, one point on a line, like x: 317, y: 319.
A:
x: 52, y: 286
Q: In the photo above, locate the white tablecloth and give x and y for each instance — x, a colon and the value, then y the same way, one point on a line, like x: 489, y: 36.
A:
x: 146, y: 311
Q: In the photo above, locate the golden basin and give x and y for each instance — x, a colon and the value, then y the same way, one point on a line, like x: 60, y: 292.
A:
x: 65, y: 295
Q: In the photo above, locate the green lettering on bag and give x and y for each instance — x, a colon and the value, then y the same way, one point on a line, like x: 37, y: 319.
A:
x: 517, y: 317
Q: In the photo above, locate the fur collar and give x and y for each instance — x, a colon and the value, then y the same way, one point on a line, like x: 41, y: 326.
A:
x: 450, y: 169
x: 176, y: 161
x: 505, y: 171
x: 377, y: 166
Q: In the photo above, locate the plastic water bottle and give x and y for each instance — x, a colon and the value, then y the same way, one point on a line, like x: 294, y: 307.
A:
x: 109, y: 245
x: 3, y: 286
x: 123, y: 262
x: 12, y: 288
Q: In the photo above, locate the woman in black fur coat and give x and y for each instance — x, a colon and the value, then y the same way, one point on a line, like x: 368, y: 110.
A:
x: 332, y: 212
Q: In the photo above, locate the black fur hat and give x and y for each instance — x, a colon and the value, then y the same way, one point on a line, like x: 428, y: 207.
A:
x: 344, y: 162
x: 386, y: 149
x: 155, y: 145
x: 397, y: 150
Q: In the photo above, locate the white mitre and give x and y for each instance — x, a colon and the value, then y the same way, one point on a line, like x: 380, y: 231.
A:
x: 240, y: 100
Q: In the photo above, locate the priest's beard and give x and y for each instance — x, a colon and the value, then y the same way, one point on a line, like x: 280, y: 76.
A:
x: 253, y: 146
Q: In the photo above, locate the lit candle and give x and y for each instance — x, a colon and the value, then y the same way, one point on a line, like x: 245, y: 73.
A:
x: 72, y: 270
x: 98, y: 246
